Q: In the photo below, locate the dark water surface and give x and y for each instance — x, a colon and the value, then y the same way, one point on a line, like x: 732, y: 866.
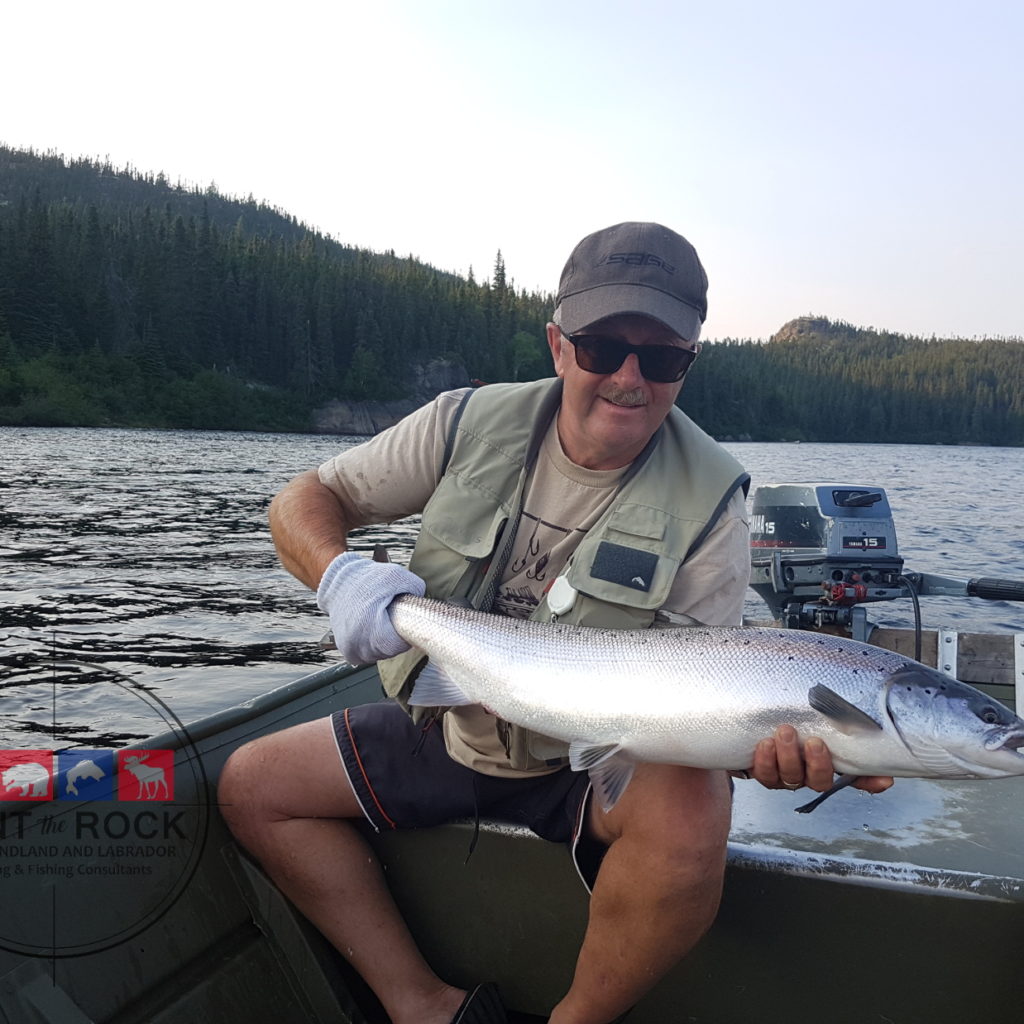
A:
x: 145, y: 555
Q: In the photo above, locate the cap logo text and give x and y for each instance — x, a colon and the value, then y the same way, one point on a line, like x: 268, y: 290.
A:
x: 638, y: 259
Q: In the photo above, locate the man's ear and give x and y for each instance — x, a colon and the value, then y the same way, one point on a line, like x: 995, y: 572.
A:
x: 556, y: 347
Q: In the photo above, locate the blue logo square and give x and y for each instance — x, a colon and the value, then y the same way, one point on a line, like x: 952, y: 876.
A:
x: 85, y: 775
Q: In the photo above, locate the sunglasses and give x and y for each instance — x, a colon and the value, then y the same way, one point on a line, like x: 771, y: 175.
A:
x: 600, y: 353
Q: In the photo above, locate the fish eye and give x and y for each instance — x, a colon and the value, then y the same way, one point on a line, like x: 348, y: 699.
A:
x: 988, y: 715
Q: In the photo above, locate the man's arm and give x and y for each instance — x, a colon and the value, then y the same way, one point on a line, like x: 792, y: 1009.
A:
x: 390, y: 476
x: 310, y: 531
x: 308, y: 524
x: 383, y: 479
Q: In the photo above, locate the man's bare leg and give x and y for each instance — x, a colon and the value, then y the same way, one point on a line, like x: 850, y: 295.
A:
x: 288, y: 801
x: 657, y: 891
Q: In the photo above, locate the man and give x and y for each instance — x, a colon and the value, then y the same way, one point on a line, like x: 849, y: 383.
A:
x: 590, y: 499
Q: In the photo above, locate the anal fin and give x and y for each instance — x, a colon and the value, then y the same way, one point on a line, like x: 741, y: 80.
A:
x: 610, y: 769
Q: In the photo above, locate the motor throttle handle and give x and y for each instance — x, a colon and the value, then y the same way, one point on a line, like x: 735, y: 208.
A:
x: 996, y: 590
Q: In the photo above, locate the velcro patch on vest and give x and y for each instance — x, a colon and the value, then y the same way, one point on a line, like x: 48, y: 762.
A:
x: 626, y: 566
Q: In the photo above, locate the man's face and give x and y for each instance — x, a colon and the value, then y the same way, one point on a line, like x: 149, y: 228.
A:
x: 606, y: 419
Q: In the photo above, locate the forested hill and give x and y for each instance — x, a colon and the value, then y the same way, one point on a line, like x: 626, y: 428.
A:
x: 125, y: 299
x: 128, y: 300
x: 825, y: 381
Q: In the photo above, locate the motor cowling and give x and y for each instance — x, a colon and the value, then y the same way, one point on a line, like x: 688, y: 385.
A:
x: 830, y: 545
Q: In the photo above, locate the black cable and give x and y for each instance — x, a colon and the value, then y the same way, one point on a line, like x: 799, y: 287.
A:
x: 917, y: 614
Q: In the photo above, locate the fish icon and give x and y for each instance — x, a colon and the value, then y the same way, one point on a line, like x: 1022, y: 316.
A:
x: 84, y: 769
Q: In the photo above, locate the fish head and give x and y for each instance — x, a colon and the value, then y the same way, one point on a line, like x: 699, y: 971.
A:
x: 953, y: 729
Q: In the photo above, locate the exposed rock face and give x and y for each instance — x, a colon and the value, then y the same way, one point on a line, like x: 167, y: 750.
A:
x: 430, y: 379
x: 802, y: 326
x: 342, y: 417
x: 338, y: 417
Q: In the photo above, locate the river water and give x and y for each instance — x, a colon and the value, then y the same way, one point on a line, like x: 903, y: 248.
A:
x: 145, y: 555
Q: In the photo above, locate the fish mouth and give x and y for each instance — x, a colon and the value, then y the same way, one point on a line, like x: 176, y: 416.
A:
x: 1011, y: 740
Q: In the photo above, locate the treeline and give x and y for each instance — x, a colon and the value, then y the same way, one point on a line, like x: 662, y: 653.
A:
x: 128, y: 300
x: 823, y: 381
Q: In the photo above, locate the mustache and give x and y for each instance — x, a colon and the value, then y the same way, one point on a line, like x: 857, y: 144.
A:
x: 628, y: 398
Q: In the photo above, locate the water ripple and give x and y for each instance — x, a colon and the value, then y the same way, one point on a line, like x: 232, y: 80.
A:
x: 147, y: 554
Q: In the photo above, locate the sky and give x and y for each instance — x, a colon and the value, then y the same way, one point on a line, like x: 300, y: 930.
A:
x: 863, y: 162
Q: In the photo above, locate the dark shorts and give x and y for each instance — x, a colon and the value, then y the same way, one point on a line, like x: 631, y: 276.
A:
x: 403, y: 778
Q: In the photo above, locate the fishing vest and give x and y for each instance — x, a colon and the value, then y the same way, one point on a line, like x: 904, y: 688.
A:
x: 620, y: 574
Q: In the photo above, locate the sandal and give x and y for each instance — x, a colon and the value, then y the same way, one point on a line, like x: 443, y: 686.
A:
x: 481, y: 1006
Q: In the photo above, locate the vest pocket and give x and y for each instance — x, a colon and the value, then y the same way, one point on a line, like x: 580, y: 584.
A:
x: 464, y: 518
x: 634, y: 521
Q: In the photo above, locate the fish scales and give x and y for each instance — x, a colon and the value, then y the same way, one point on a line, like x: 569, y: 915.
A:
x: 702, y: 696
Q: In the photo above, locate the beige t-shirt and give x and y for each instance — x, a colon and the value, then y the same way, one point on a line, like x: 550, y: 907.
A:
x: 393, y: 475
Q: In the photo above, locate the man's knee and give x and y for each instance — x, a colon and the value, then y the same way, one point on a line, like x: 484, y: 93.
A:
x: 680, y: 815
x: 294, y: 773
x: 237, y: 792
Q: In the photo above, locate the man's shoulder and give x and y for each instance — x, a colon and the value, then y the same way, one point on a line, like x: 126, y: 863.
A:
x: 510, y: 408
x: 445, y: 405
x: 433, y: 414
x: 504, y: 389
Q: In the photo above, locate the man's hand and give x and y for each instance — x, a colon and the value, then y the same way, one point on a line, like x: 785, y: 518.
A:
x: 355, y: 593
x: 779, y: 764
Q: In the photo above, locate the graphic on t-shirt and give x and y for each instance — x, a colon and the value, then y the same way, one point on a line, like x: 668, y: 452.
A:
x: 534, y: 563
x: 562, y: 503
x: 521, y: 597
x: 531, y: 552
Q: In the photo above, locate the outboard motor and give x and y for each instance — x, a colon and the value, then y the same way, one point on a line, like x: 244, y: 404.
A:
x: 816, y: 550
x: 820, y: 551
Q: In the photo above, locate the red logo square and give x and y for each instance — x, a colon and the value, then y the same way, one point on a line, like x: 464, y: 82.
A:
x: 26, y: 775
x: 145, y: 775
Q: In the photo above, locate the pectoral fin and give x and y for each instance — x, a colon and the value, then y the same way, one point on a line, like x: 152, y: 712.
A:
x: 610, y: 769
x: 846, y: 717
x: 841, y: 783
x: 434, y: 689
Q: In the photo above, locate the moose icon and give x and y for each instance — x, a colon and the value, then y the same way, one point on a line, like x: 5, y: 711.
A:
x: 151, y: 777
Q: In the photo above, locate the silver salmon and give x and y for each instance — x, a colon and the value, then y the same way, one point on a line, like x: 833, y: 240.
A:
x: 705, y: 696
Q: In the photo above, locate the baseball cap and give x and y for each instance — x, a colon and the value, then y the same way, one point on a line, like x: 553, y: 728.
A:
x: 634, y: 267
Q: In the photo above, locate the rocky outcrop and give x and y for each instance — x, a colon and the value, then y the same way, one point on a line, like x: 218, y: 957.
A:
x: 801, y: 327
x: 339, y: 416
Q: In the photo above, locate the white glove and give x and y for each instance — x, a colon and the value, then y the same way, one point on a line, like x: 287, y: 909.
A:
x: 355, y: 593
